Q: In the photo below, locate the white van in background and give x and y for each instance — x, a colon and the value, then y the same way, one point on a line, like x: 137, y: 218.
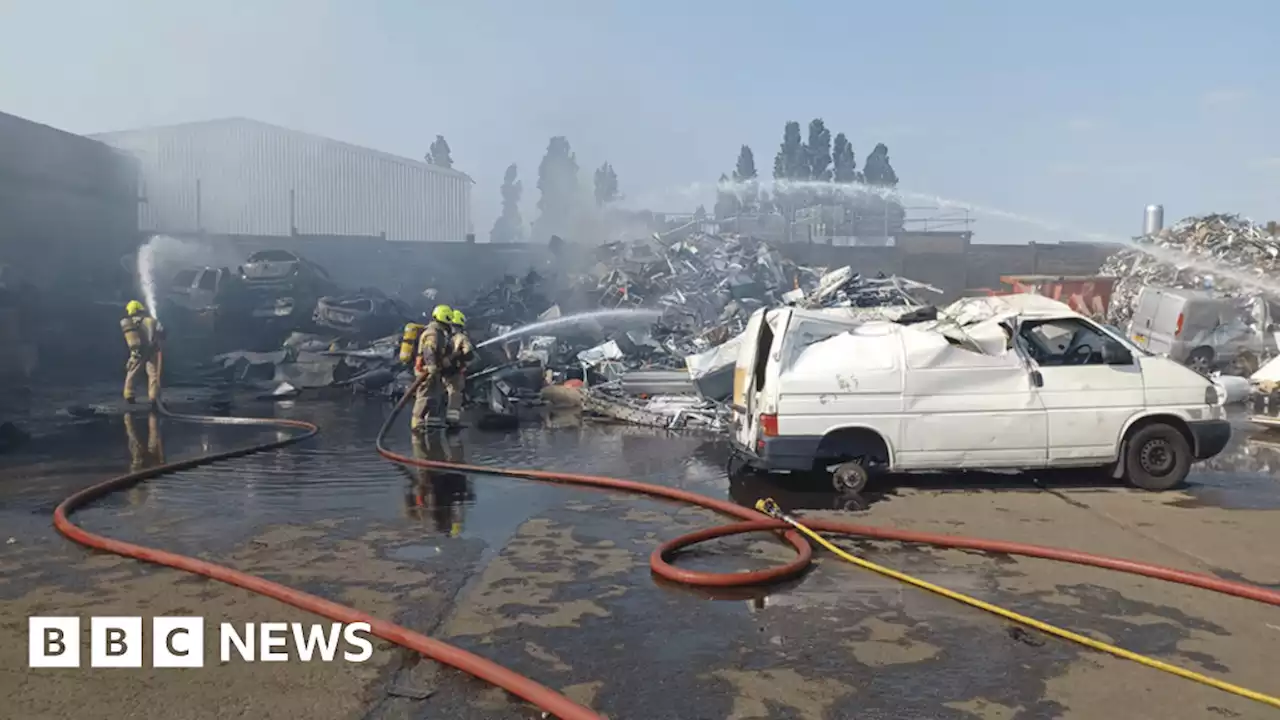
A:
x: 1203, y: 331
x: 1016, y: 382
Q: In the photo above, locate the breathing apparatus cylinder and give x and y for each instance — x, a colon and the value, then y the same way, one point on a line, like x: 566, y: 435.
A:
x: 409, y: 342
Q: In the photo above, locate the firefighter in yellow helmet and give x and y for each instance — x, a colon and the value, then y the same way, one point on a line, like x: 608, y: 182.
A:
x: 433, y: 348
x: 144, y: 336
x: 461, y: 351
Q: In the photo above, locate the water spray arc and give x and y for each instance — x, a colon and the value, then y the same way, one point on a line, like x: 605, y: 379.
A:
x: 856, y: 189
x: 619, y: 314
x: 162, y: 255
x: 147, y: 276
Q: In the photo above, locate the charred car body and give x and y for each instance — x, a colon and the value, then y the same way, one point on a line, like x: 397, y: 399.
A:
x: 366, y: 313
x: 281, y: 288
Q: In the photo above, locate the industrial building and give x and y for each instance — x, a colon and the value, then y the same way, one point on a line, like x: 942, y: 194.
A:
x: 68, y: 208
x: 68, y: 229
x: 247, y: 178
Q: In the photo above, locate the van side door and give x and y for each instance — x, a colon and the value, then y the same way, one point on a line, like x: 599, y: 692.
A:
x: 748, y: 378
x: 966, y: 409
x: 1090, y: 386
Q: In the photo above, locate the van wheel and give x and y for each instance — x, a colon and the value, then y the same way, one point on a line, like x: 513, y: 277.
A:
x: 1157, y: 457
x: 850, y: 478
x: 1201, y: 360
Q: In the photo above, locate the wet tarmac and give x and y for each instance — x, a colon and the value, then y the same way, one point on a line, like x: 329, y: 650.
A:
x: 554, y: 582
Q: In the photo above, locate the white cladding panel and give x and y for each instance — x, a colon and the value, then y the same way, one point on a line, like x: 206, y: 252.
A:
x: 240, y: 177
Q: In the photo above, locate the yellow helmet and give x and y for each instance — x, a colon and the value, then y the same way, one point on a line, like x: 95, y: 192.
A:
x: 442, y: 313
x: 134, y: 307
x: 458, y: 319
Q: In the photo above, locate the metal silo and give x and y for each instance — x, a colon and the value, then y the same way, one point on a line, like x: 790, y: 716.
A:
x: 1153, y: 220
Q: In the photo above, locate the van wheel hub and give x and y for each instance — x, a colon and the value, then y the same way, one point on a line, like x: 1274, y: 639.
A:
x: 1201, y: 363
x: 1156, y: 457
x: 849, y: 478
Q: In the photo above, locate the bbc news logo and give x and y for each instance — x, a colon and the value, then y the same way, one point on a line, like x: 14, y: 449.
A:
x: 179, y: 642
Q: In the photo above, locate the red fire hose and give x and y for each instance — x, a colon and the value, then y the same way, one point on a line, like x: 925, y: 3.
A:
x: 519, y: 685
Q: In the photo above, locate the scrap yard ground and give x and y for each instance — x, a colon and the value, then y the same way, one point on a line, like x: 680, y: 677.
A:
x: 554, y: 582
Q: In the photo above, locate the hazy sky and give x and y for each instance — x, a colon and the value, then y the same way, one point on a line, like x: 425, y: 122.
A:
x: 1081, y: 114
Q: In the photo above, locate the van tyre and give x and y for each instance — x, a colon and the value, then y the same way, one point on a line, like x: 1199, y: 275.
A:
x: 850, y: 478
x: 1201, y: 360
x: 1157, y: 457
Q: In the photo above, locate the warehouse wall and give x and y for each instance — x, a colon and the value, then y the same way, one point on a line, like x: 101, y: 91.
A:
x: 458, y: 269
x: 242, y: 177
x: 952, y: 266
x: 455, y: 269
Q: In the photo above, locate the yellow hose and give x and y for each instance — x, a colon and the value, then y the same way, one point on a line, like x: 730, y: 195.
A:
x: 769, y: 507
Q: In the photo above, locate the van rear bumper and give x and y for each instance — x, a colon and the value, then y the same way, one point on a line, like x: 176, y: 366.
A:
x: 794, y: 452
x: 1209, y: 437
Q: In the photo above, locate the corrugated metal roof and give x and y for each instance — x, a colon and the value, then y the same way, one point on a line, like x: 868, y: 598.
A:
x: 198, y: 124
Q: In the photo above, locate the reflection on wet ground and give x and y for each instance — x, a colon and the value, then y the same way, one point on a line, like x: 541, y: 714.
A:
x: 554, y: 580
x: 1245, y: 476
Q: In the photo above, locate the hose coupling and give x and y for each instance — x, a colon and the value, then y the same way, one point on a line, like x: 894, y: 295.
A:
x: 769, y: 507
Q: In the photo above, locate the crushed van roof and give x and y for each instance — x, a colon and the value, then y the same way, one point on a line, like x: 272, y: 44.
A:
x: 968, y: 311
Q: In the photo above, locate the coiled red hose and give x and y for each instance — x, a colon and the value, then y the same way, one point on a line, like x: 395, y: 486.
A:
x: 756, y: 522
x: 519, y: 685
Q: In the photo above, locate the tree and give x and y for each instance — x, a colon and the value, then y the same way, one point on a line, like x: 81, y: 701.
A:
x: 877, y: 170
x: 844, y: 167
x: 817, y: 151
x: 744, y: 174
x: 746, y: 168
x: 509, y: 227
x: 790, y: 164
x: 439, y: 153
x: 886, y: 210
x: 558, y: 186
x: 727, y: 204
x: 606, y: 185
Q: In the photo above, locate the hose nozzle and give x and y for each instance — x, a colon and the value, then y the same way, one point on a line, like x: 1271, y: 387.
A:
x: 769, y: 507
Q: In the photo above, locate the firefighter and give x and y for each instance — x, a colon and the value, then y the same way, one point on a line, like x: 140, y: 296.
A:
x: 454, y: 374
x: 144, y: 335
x: 433, y: 348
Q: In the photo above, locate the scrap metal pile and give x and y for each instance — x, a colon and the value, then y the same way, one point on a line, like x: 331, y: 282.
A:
x: 693, y: 296
x: 701, y: 288
x: 1188, y: 255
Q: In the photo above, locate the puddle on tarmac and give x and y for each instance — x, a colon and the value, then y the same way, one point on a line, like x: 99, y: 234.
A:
x: 338, y: 474
x: 1246, y: 476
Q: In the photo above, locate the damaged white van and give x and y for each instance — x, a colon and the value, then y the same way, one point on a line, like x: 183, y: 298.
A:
x: 1009, y: 382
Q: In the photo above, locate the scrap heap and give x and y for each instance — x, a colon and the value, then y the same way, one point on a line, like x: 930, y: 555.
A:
x: 1189, y: 255
x: 656, y: 369
x: 703, y: 289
